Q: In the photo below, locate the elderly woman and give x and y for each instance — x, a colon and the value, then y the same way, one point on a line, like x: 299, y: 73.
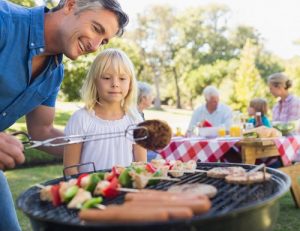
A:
x: 213, y: 111
x: 145, y: 97
x: 288, y: 107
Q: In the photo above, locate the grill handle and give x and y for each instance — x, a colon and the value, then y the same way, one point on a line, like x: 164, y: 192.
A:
x: 66, y: 177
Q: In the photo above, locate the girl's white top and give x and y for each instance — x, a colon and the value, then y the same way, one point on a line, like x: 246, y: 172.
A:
x: 105, y: 153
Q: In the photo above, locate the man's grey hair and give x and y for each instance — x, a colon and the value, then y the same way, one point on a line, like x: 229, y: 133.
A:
x: 144, y: 89
x: 111, y: 5
x: 210, y: 91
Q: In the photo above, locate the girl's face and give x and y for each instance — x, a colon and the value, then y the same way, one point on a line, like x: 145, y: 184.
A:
x: 251, y: 111
x: 113, y: 87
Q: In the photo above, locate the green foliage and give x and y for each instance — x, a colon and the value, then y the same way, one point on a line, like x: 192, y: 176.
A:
x: 209, y: 74
x: 75, y: 73
x: 268, y: 64
x: 293, y: 71
x: 248, y: 83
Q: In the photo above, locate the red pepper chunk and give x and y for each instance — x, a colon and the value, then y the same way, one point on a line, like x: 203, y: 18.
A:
x: 80, y: 178
x: 114, y: 173
x: 111, y: 190
x: 150, y: 168
x: 56, y: 201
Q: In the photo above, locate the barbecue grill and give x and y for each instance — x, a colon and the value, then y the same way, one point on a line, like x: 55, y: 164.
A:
x: 235, y: 207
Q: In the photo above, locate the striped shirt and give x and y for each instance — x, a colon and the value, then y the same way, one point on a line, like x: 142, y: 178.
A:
x: 287, y: 109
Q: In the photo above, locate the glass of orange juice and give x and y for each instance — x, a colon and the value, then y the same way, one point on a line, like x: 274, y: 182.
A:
x: 235, y: 130
x: 221, y: 131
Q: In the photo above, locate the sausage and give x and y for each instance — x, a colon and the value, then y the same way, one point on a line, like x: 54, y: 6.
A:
x: 161, y: 193
x: 161, y: 196
x: 123, y: 215
x: 173, y: 212
x: 197, y: 206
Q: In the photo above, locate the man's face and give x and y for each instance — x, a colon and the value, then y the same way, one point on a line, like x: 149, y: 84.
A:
x: 83, y: 33
x: 212, y: 102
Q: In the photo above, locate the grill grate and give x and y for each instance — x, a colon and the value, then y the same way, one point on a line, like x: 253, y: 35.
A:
x: 229, y: 198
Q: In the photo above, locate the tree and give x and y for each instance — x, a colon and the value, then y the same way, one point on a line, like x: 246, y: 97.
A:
x: 239, y: 35
x: 248, y: 83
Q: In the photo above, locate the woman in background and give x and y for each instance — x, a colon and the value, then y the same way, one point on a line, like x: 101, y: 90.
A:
x: 145, y: 97
x: 288, y: 107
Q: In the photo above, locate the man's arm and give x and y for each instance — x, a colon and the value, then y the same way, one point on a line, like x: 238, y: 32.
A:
x: 40, y: 127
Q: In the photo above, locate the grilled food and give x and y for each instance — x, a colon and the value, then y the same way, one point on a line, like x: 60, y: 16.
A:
x: 195, y: 189
x: 158, y: 134
x: 222, y: 172
x: 248, y: 178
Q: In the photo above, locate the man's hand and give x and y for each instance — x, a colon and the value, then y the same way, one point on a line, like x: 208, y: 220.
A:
x: 11, y: 151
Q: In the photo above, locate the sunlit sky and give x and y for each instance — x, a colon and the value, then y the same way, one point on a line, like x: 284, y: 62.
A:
x: 278, y: 21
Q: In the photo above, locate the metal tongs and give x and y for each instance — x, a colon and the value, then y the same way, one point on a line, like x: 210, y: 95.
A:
x: 75, y: 139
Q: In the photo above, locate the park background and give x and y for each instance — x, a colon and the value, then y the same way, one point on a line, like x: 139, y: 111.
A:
x: 180, y: 49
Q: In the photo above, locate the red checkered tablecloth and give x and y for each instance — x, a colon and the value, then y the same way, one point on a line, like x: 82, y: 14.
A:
x: 288, y: 148
x: 211, y: 150
x: 195, y: 148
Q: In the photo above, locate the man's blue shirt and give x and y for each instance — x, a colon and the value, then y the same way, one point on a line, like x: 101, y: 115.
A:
x: 22, y: 38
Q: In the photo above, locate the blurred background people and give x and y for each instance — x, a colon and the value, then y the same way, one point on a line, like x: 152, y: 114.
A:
x: 288, y: 106
x: 145, y: 97
x: 258, y: 105
x: 216, y: 113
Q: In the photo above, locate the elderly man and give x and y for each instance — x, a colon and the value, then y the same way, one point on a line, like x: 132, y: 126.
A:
x: 32, y: 44
x: 216, y: 113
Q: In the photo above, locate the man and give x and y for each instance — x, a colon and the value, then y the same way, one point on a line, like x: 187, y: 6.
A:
x: 32, y: 44
x: 213, y: 111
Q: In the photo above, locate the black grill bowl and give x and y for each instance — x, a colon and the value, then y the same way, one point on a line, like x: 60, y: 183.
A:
x: 235, y: 207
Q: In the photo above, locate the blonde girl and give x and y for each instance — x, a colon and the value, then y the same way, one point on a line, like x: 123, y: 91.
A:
x: 110, y: 97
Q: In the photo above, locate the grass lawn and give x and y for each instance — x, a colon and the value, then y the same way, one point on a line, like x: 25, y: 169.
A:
x: 22, y: 179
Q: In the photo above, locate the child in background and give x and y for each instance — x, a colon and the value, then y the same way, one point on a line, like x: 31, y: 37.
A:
x: 258, y: 105
x: 110, y: 96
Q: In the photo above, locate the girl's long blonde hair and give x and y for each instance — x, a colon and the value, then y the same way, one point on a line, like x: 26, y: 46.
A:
x: 118, y: 61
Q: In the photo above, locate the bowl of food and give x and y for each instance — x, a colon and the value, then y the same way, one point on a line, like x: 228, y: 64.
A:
x: 208, y: 132
x: 286, y: 128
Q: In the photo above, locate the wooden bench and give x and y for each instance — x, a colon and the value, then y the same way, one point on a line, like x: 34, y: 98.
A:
x: 253, y: 149
x: 294, y: 172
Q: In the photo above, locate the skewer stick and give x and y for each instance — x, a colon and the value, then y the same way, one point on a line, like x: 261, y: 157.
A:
x: 200, y: 170
x: 101, y: 207
x: 128, y: 190
x: 187, y: 171
x: 163, y: 178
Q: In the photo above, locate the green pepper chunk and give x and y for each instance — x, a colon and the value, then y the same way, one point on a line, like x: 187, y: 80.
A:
x: 125, y: 179
x: 94, y: 179
x: 156, y: 174
x: 70, y: 193
x: 101, y: 175
x: 91, y: 203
